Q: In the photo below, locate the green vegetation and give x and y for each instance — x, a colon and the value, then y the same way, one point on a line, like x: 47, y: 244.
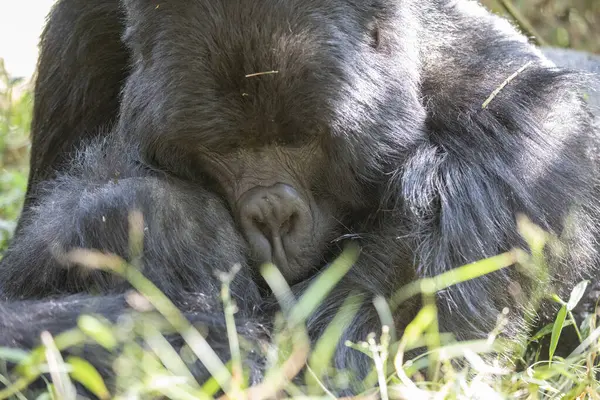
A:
x: 15, y: 118
x: 147, y: 366
x: 560, y: 23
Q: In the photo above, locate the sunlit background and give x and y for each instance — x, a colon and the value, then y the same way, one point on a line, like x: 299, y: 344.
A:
x: 21, y: 22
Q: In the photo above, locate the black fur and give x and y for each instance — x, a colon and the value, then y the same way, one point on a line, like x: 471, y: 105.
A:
x: 374, y: 115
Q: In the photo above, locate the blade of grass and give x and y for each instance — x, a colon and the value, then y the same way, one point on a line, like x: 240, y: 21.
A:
x: 198, y: 344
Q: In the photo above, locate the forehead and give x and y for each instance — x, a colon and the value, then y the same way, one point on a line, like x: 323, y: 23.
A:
x: 237, y: 38
x: 259, y: 35
x: 273, y: 67
x: 205, y: 19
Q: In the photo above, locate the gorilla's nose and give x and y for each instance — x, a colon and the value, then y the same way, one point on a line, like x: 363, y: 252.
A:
x: 276, y: 222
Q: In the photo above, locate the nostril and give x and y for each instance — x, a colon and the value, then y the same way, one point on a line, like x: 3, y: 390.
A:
x: 289, y: 224
x: 276, y: 222
x: 261, y: 226
x: 286, y: 227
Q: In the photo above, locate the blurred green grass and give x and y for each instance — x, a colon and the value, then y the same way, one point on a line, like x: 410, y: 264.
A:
x: 148, y: 367
x: 15, y: 119
x: 562, y: 23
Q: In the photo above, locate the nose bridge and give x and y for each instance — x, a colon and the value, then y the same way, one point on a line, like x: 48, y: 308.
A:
x: 265, y: 169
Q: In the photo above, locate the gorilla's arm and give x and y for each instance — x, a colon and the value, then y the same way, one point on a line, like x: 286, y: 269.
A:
x: 188, y: 237
x: 22, y: 323
x: 188, y: 232
x: 81, y: 69
x: 528, y: 151
x: 81, y: 192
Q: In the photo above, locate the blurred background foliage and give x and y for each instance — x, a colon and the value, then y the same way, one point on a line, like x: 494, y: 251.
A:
x: 15, y: 118
x: 562, y: 23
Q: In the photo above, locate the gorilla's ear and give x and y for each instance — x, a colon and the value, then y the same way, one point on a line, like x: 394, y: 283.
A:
x: 81, y: 69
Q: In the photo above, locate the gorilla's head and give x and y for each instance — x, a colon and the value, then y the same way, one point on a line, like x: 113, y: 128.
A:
x: 296, y: 113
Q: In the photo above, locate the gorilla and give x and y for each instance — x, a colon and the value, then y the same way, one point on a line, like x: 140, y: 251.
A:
x: 256, y: 131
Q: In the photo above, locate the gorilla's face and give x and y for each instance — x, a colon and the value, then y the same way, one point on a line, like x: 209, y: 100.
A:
x: 295, y: 113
